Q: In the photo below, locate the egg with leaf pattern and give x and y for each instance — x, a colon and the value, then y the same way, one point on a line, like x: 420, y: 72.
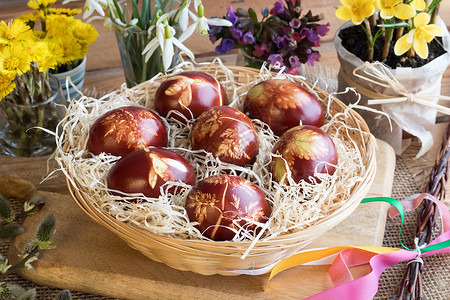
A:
x: 227, y: 133
x: 222, y: 205
x: 283, y: 104
x: 146, y: 170
x: 305, y: 150
x: 190, y: 93
x: 126, y: 129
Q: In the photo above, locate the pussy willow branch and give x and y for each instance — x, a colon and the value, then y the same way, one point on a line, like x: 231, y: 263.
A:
x: 411, y: 286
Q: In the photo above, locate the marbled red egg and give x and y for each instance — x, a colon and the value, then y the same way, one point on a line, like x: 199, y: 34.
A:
x: 306, y: 150
x: 146, y: 170
x: 227, y: 133
x: 125, y: 130
x: 283, y: 104
x: 190, y: 93
x: 218, y: 201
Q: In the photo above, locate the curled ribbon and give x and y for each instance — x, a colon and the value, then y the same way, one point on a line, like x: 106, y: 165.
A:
x: 379, y: 74
x: 379, y: 258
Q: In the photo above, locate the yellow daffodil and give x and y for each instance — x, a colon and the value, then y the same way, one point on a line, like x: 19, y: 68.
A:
x: 355, y: 10
x: 418, y: 37
x: 14, y: 60
x: 15, y: 31
x: 391, y: 8
x: 40, y: 4
x: 418, y: 4
x: 7, y: 85
x: 82, y: 32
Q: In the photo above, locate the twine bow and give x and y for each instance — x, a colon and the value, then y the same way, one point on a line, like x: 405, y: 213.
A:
x: 379, y: 74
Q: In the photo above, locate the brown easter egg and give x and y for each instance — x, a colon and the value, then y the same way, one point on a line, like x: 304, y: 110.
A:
x: 146, y: 170
x: 190, y: 93
x: 282, y: 104
x: 306, y: 149
x: 126, y: 129
x: 227, y: 133
x: 217, y: 201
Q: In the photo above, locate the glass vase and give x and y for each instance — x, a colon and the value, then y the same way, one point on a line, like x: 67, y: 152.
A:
x: 25, y: 127
x: 131, y: 43
x: 247, y: 60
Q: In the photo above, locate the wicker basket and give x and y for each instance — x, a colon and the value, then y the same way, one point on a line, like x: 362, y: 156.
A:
x: 209, y: 257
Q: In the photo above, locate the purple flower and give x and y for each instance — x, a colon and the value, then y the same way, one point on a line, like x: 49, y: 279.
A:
x: 312, y: 57
x: 311, y: 34
x: 276, y: 58
x: 277, y: 9
x: 322, y: 30
x: 231, y: 15
x: 236, y: 33
x: 260, y: 50
x: 282, y: 41
x: 225, y: 46
x: 294, y: 61
x: 292, y: 71
x: 264, y: 12
x: 248, y: 38
x: 295, y: 23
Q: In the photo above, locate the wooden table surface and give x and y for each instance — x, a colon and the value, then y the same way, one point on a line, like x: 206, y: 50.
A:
x: 104, y: 72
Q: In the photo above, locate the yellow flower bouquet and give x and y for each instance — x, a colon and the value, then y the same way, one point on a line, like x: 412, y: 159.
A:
x: 26, y: 98
x: 393, y: 53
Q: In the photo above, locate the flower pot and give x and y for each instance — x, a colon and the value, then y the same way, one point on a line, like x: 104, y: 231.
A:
x: 76, y: 75
x: 24, y: 127
x: 132, y: 42
x: 409, y: 117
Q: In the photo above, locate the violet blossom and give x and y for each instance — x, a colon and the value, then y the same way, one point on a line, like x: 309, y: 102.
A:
x: 277, y: 9
x: 310, y: 34
x: 231, y: 15
x: 248, y: 38
x: 276, y: 58
x: 282, y: 42
x: 236, y: 33
x: 295, y: 23
x: 292, y: 71
x: 322, y: 30
x: 313, y: 57
x: 225, y: 46
x: 294, y: 61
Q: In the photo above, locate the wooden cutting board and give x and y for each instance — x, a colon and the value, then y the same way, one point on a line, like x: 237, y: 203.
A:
x: 89, y: 258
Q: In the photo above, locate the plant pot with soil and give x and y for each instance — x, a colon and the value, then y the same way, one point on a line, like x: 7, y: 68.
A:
x: 394, y: 55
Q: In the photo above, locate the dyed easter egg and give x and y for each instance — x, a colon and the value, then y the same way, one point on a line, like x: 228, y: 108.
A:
x: 217, y: 201
x: 190, y: 93
x: 283, y: 104
x: 306, y: 149
x: 125, y: 130
x: 227, y: 133
x: 146, y: 170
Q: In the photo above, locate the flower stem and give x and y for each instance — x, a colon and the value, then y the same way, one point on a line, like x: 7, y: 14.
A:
x: 369, y: 40
x: 21, y: 263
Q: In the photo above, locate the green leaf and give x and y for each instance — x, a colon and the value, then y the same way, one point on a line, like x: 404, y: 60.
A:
x: 6, y: 212
x: 395, y: 25
x: 135, y: 13
x: 253, y: 15
x: 46, y: 229
x: 119, y: 11
x: 64, y: 295
x: 146, y: 12
x: 28, y: 295
x: 10, y: 231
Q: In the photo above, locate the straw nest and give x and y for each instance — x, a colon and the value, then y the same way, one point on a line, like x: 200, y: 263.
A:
x: 160, y: 228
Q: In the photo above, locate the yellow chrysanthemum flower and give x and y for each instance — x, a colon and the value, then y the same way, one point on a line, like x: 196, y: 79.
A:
x: 14, y: 60
x: 391, y: 8
x: 84, y: 33
x: 15, y: 31
x: 7, y: 85
x: 40, y: 4
x: 70, y: 48
x: 57, y: 25
x: 64, y: 11
x: 355, y: 10
x: 419, y: 37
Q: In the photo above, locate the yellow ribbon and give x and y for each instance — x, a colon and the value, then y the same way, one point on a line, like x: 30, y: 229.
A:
x: 313, y: 255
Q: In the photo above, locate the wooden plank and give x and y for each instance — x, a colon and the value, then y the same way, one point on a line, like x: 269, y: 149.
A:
x: 91, y: 259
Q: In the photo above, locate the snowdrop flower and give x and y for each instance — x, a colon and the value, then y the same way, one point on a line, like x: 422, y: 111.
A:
x: 183, y: 15
x: 201, y: 23
x: 94, y: 5
x: 165, y: 38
